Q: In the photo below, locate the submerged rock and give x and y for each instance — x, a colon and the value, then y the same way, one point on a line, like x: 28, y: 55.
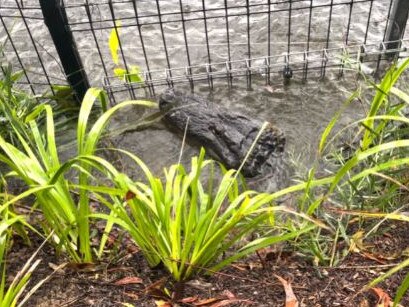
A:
x: 227, y: 136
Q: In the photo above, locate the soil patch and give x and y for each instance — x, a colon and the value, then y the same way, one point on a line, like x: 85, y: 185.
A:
x: 127, y: 279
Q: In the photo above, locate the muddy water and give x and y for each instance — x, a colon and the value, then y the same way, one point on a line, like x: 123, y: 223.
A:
x: 301, y: 110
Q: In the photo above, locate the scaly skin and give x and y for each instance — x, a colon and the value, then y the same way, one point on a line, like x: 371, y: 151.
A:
x: 227, y: 136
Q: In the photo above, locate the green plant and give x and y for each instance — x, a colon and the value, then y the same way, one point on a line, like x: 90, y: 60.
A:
x: 36, y: 161
x: 372, y: 175
x: 356, y: 179
x: 129, y: 75
x: 11, y: 222
x: 15, y: 105
x: 186, y: 225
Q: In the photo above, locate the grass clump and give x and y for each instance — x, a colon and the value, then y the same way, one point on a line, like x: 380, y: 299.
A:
x: 188, y: 225
x: 367, y: 180
x: 11, y: 223
x: 34, y: 158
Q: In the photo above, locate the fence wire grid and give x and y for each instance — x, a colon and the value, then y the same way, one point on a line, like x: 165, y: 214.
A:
x: 202, y: 41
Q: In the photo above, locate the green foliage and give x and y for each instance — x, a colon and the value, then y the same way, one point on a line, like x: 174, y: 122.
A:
x: 187, y: 225
x: 403, y: 288
x: 11, y: 222
x: 37, y: 163
x: 15, y: 105
x: 133, y: 75
x: 113, y: 42
x: 190, y: 221
x: 366, y: 175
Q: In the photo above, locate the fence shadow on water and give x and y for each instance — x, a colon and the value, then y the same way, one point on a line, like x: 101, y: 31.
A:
x: 204, y: 41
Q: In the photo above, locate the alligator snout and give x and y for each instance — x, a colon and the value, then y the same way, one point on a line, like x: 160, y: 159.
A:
x: 226, y: 135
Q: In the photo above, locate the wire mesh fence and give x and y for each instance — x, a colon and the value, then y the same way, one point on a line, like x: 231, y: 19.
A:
x: 205, y: 42
x: 26, y: 44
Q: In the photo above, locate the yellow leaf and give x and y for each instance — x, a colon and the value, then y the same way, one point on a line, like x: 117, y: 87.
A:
x: 161, y: 303
x: 114, y: 42
x: 357, y: 243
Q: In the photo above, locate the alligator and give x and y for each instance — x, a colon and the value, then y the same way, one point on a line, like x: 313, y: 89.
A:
x: 226, y: 136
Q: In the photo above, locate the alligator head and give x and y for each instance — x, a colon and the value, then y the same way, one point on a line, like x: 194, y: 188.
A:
x: 226, y: 135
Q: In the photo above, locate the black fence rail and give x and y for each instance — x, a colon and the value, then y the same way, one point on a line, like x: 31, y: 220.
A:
x: 201, y: 42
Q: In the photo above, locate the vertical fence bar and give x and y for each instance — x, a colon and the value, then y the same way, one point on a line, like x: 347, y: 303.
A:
x: 168, y: 71
x: 269, y: 29
x: 209, y: 59
x: 189, y: 69
x: 268, y: 81
x: 397, y: 24
x: 35, y: 46
x: 128, y: 84
x: 16, y: 53
x: 367, y: 23
x: 289, y: 27
x: 388, y: 19
x: 287, y: 71
x: 182, y: 15
x: 91, y: 25
x: 226, y: 13
x: 323, y: 71
x: 248, y: 29
x: 248, y: 61
x: 351, y: 6
x: 305, y: 75
x: 56, y: 20
x: 135, y: 8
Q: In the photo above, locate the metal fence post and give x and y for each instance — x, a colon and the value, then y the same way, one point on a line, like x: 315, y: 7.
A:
x: 397, y: 24
x: 56, y: 20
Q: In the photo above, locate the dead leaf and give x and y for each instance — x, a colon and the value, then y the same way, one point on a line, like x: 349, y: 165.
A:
x: 229, y: 302
x: 111, y: 240
x: 131, y: 295
x: 290, y: 298
x: 240, y: 267
x: 128, y: 280
x: 199, y: 284
x: 364, y: 303
x: 132, y: 248
x: 206, y: 301
x: 85, y: 267
x: 373, y: 257
x: 188, y: 300
x: 228, y: 294
x: 269, y: 253
x: 357, y: 243
x: 162, y: 303
x: 58, y: 268
x: 227, y: 298
x: 129, y: 195
x: 384, y: 299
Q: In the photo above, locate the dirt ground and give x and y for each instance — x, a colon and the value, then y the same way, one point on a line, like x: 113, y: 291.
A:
x: 128, y: 281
